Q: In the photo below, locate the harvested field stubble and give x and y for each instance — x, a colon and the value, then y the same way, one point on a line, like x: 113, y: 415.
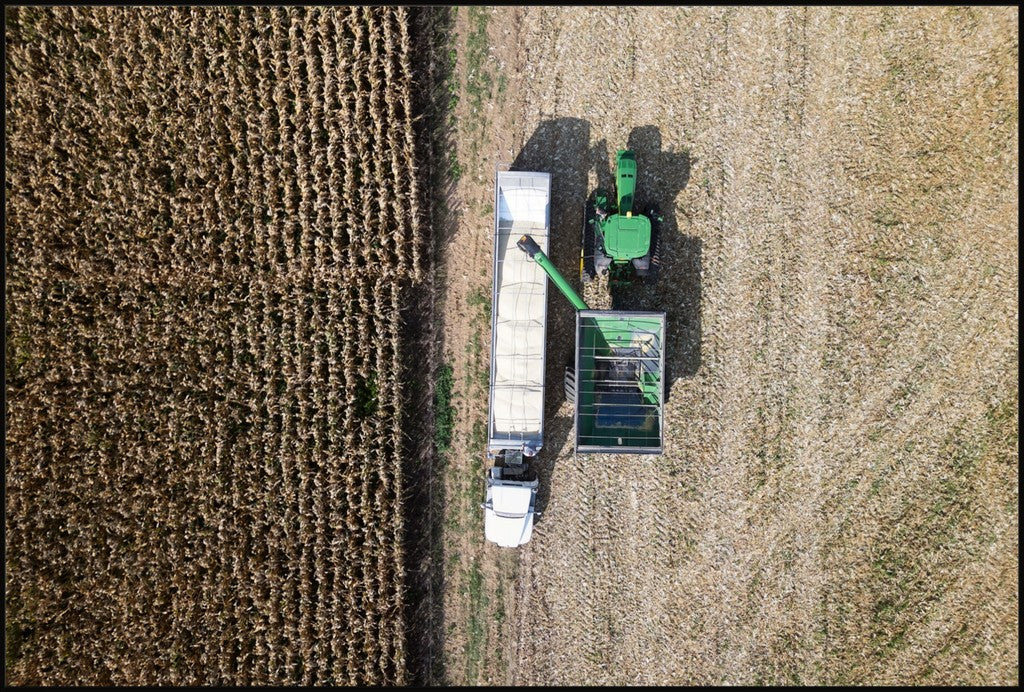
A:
x: 837, y: 500
x: 212, y: 221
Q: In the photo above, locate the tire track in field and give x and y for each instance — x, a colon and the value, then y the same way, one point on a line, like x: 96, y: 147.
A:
x: 782, y: 480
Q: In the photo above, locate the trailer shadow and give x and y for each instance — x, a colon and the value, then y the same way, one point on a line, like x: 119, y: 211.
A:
x: 561, y: 147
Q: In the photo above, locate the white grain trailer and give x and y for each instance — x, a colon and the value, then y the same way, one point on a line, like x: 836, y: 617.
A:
x: 515, y: 413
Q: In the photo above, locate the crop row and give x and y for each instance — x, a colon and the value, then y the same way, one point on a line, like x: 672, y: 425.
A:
x: 213, y: 222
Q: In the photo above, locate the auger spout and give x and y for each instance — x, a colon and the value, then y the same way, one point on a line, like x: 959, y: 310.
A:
x: 530, y: 247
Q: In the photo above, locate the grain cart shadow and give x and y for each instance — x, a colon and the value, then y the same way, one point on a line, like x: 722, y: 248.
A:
x: 561, y: 147
x: 661, y: 177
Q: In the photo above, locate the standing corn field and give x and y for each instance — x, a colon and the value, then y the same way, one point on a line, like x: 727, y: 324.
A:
x: 212, y: 224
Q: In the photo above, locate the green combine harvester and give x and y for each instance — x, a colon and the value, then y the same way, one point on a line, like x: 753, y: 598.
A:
x: 616, y: 241
x: 617, y: 381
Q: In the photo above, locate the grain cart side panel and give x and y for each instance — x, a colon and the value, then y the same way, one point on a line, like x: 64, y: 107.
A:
x: 518, y: 314
x: 620, y: 387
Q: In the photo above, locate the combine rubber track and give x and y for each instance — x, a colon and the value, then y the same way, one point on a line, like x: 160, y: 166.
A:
x: 587, y: 269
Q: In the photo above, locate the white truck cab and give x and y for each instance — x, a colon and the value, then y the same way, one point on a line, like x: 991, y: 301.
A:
x: 509, y: 509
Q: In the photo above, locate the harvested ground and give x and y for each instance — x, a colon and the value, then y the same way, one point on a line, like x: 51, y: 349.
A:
x: 213, y: 225
x: 837, y: 502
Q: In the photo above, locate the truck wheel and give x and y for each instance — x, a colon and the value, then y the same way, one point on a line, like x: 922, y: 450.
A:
x: 570, y: 384
x: 656, y: 222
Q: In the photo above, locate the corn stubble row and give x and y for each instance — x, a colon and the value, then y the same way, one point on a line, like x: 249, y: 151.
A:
x: 212, y: 221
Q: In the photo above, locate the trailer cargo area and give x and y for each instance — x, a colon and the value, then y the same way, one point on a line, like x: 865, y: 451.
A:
x: 518, y: 314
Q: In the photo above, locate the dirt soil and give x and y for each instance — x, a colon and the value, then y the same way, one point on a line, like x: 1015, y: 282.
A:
x: 837, y: 500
